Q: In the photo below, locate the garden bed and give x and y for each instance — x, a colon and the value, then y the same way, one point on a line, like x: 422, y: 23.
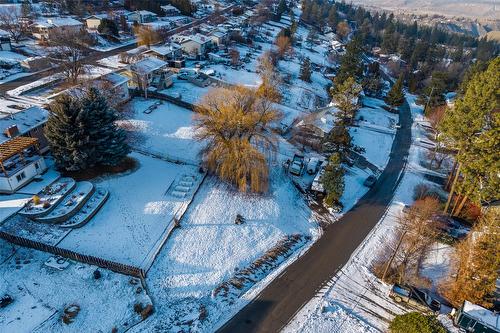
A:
x: 91, y: 207
x: 71, y: 204
x: 43, y: 203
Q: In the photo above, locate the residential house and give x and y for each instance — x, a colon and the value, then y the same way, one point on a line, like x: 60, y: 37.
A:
x: 150, y: 74
x: 170, y: 10
x: 141, y: 16
x: 93, y: 21
x: 20, y: 162
x: 115, y: 87
x: 219, y: 37
x: 171, y: 52
x: 28, y: 122
x: 42, y: 28
x: 197, y: 45
x: 476, y: 319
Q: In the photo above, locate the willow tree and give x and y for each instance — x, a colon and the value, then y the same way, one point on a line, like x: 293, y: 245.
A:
x: 472, y: 127
x: 236, y: 125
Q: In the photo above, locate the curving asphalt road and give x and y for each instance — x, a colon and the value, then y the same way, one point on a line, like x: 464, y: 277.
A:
x: 277, y: 304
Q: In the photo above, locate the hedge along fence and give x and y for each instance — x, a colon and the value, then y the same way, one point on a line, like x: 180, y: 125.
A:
x: 91, y: 260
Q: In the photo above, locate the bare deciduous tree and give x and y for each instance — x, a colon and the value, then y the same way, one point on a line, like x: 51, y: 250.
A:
x: 236, y: 125
x: 271, y: 80
x: 69, y: 48
x: 10, y: 22
x: 416, y: 233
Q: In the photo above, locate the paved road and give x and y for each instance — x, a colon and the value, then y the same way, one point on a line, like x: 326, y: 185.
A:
x: 277, y: 304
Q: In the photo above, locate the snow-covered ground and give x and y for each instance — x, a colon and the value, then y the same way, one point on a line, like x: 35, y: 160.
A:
x: 355, y: 300
x: 138, y: 211
x: 167, y: 131
x: 41, y: 293
x: 209, y: 248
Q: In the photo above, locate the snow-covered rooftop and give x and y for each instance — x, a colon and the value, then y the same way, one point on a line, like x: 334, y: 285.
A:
x: 165, y: 49
x: 56, y: 22
x: 24, y: 120
x: 148, y: 65
x: 481, y: 314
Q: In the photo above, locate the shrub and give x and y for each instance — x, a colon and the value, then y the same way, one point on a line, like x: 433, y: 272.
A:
x: 70, y: 312
x: 36, y: 199
x: 147, y: 311
x: 416, y: 322
x: 138, y: 307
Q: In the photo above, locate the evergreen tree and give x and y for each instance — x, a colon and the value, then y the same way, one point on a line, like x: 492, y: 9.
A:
x: 350, y: 65
x: 345, y: 97
x: 416, y: 322
x: 108, y: 27
x: 472, y: 127
x: 109, y: 140
x: 64, y: 132
x: 82, y: 132
x: 305, y: 70
x: 333, y: 180
x: 396, y: 97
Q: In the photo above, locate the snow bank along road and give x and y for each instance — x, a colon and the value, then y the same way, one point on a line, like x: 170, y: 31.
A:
x: 277, y: 304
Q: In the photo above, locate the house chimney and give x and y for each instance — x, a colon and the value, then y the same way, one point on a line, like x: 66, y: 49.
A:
x: 12, y: 131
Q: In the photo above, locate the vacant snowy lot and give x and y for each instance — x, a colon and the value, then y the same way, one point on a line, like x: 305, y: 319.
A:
x: 209, y: 247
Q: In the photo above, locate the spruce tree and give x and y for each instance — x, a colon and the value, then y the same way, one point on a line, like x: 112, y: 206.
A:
x: 82, y: 132
x: 66, y: 135
x: 305, y: 70
x: 108, y: 139
x: 396, y: 97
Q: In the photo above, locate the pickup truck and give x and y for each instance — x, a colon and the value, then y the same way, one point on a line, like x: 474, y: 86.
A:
x: 415, y: 298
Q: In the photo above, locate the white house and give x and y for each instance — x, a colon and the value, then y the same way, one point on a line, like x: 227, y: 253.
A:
x: 117, y: 84
x: 20, y: 162
x: 196, y: 44
x: 42, y: 28
x: 169, y: 51
x: 170, y: 10
x: 219, y: 37
x: 93, y: 21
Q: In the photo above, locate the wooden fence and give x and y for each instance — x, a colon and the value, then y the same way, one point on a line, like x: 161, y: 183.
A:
x: 91, y: 260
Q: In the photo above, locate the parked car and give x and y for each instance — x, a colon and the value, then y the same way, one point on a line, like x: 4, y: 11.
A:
x: 313, y: 165
x: 297, y: 165
x: 414, y: 297
x: 370, y: 181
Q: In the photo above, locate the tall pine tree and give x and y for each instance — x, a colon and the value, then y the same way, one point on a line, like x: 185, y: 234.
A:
x: 396, y: 97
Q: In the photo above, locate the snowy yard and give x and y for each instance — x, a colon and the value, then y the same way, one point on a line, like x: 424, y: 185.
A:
x: 138, y: 211
x: 41, y: 293
x: 167, y: 131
